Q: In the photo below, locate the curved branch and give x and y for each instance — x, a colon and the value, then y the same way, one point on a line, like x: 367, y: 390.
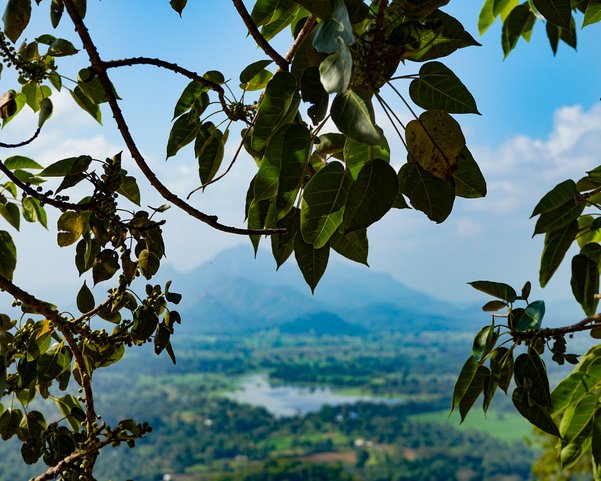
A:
x: 129, y: 62
x: 281, y: 62
x: 300, y: 37
x: 100, y: 69
x: 24, y: 143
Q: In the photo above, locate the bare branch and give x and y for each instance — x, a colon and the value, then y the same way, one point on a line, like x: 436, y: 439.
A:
x: 281, y: 62
x: 300, y: 37
x: 24, y: 143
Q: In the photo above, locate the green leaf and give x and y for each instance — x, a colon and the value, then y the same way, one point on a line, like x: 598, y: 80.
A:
x: 209, y: 149
x: 496, y: 289
x: 558, y: 12
x: 537, y: 415
x: 312, y: 91
x: 149, y: 263
x: 70, y: 227
x: 493, y: 306
x: 312, y: 262
x: 577, y: 416
x: 145, y: 323
x: 184, y: 130
x: 353, y: 115
x: 178, y: 5
x: 439, y: 88
x: 16, y: 17
x: 572, y: 451
x: 86, y: 104
x: 441, y: 36
x: 11, y: 214
x: 468, y: 371
x: 282, y: 245
x: 480, y: 346
x: 337, y: 27
x: 69, y: 166
x: 558, y: 218
x: 556, y: 197
x: 353, y: 246
x: 585, y: 283
x: 501, y: 366
x: 72, y: 410
x: 357, y: 154
x: 190, y: 94
x: 556, y: 245
x: 335, y: 70
x: 596, y: 439
x: 20, y: 162
x: 324, y: 200
x: 486, y: 17
x: 61, y: 48
x: 106, y: 264
x: 469, y: 181
x: 517, y: 22
x: 371, y: 195
x: 434, y: 141
x: 531, y: 318
x: 46, y: 109
x: 129, y: 189
x: 85, y: 299
x: 11, y: 105
x: 281, y: 97
x: 592, y: 15
x: 474, y: 390
x: 8, y: 255
x: 255, y: 76
x: 427, y: 193
x: 589, y: 232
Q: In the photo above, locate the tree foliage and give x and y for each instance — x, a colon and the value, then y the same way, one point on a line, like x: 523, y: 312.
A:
x: 315, y: 125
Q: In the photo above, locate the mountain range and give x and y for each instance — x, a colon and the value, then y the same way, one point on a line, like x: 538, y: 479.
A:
x: 234, y: 293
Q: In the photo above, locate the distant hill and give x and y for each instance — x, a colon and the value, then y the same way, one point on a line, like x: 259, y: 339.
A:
x: 322, y: 324
x: 235, y: 293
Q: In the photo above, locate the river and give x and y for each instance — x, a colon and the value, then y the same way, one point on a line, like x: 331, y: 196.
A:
x: 292, y: 400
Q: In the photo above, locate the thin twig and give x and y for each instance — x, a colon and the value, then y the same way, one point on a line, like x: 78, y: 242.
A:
x: 98, y: 66
x: 157, y: 62
x: 307, y: 27
x: 281, y: 62
x: 24, y: 143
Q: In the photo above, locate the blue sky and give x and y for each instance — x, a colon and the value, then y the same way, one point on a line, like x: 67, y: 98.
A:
x: 541, y: 124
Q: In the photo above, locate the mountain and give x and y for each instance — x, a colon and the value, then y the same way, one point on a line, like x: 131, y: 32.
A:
x: 322, y: 324
x: 234, y: 293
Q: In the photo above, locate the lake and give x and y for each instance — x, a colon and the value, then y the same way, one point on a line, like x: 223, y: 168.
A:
x: 293, y: 400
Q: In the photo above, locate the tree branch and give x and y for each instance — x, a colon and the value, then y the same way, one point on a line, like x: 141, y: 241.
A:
x: 24, y: 143
x: 281, y: 62
x: 129, y: 62
x: 300, y: 37
x: 98, y: 65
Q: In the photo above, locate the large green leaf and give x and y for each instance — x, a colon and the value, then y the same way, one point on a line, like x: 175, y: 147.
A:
x: 324, y: 200
x: 537, y: 415
x: 427, y: 193
x: 469, y: 181
x: 496, y: 289
x: 353, y: 246
x: 16, y: 17
x: 87, y: 104
x: 518, y: 21
x: 192, y: 92
x: 473, y: 391
x: 577, y: 416
x: 312, y: 91
x: 335, y: 70
x: 439, y: 37
x: 357, y: 154
x: 371, y: 195
x: 209, y: 148
x: 353, y: 115
x: 282, y: 245
x: 312, y: 262
x: 255, y: 76
x: 20, y: 162
x: 280, y: 97
x: 532, y: 317
x: 486, y: 17
x: 11, y: 214
x: 558, y: 218
x: 337, y: 27
x: 439, y: 88
x: 556, y: 197
x: 556, y: 245
x: 468, y: 371
x: 592, y: 15
x: 68, y: 166
x: 184, y: 130
x: 8, y: 255
x: 558, y: 12
x: 585, y: 283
